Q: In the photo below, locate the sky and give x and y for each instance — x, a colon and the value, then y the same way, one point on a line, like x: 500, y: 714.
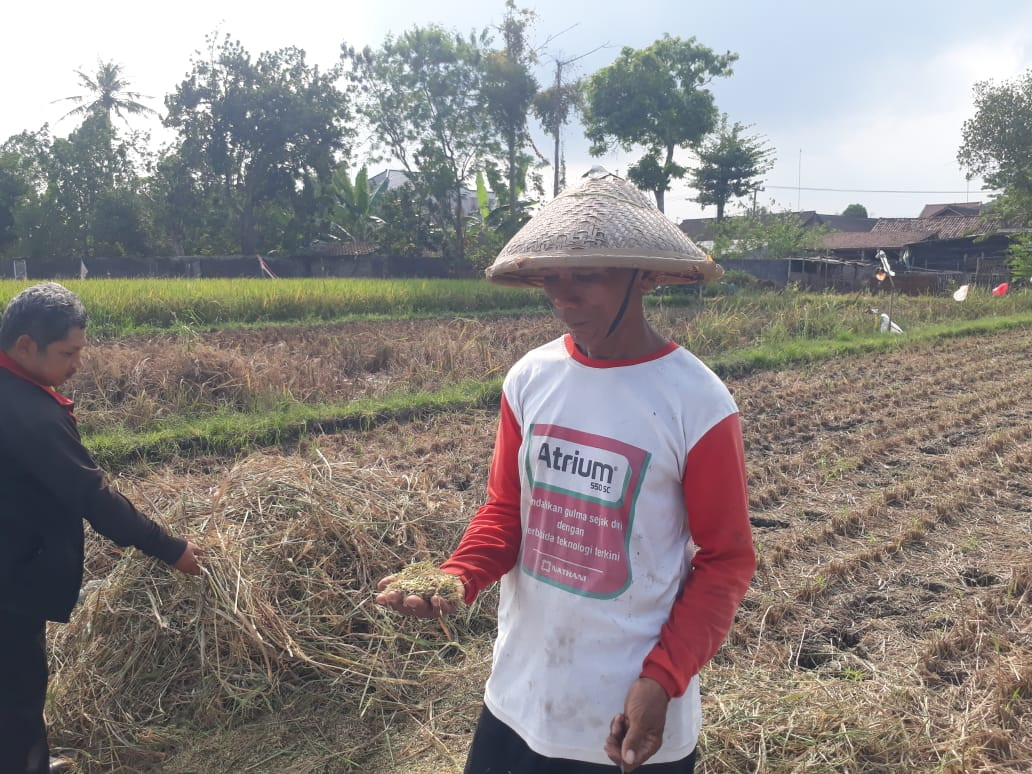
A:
x: 861, y: 102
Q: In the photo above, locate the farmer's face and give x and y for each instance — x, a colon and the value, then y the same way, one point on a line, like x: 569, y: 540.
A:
x: 588, y: 300
x: 55, y: 364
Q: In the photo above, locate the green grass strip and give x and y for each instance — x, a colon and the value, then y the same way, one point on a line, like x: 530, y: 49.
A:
x: 230, y: 434
x: 120, y: 307
x: 801, y: 351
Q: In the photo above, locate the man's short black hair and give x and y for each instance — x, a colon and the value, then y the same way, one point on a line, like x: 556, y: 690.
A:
x: 45, y: 312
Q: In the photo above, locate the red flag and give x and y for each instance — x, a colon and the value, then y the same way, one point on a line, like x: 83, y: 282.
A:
x: 1001, y: 289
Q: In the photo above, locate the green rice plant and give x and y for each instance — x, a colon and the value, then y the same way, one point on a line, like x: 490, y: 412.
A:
x: 122, y: 306
x: 712, y: 323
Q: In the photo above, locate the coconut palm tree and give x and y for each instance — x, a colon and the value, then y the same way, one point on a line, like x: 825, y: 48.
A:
x: 106, y: 93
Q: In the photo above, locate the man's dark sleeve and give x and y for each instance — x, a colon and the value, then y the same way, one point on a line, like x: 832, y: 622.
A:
x: 52, y: 450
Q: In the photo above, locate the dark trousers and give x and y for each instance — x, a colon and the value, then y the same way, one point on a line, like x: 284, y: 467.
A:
x: 497, y: 749
x: 23, y: 691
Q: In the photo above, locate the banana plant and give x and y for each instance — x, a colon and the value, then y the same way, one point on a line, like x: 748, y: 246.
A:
x: 354, y: 206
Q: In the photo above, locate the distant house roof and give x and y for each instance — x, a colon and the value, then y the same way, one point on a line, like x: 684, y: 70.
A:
x: 897, y: 233
x: 703, y: 228
x: 699, y: 229
x: 942, y: 210
x: 872, y: 240
x: 942, y: 227
x: 848, y: 233
x: 394, y: 179
x: 336, y: 249
x: 835, y: 222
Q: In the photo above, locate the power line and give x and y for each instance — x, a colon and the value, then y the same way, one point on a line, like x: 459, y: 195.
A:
x: 865, y: 190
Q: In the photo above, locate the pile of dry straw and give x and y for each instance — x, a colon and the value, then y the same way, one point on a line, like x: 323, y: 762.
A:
x: 281, y: 625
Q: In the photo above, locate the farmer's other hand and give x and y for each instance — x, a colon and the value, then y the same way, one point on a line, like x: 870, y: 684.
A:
x: 413, y: 604
x: 636, y: 734
x: 187, y: 562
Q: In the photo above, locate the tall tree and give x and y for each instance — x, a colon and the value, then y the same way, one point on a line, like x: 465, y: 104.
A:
x: 409, y: 228
x: 731, y: 165
x: 108, y: 92
x: 14, y: 188
x: 92, y: 170
x: 1021, y: 256
x: 855, y: 211
x: 85, y: 194
x: 255, y: 133
x: 554, y: 106
x: 24, y: 170
x: 421, y: 93
x: 767, y: 233
x: 997, y: 143
x: 509, y: 88
x: 187, y: 206
x: 655, y: 97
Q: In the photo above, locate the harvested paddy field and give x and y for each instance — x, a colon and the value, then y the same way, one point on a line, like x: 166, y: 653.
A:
x: 888, y: 628
x: 135, y: 380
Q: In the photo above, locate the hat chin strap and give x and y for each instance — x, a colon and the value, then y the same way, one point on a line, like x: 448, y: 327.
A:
x: 623, y: 306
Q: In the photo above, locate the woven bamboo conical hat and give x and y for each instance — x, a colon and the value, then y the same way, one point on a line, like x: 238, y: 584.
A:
x: 604, y: 223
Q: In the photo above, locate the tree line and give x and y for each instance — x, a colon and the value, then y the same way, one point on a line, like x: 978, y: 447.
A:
x: 262, y: 155
x: 997, y: 146
x: 262, y: 158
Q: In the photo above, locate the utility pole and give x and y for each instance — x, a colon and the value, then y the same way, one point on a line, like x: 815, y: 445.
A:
x: 558, y: 93
x: 555, y: 114
x: 799, y: 184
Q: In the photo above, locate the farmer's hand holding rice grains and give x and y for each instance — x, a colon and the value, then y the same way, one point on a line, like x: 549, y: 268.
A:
x: 616, y: 514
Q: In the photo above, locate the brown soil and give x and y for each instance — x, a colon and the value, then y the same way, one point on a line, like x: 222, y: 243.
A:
x: 889, y: 625
x: 891, y: 512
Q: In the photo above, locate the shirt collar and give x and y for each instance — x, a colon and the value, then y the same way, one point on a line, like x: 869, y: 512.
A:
x: 580, y: 357
x: 9, y: 363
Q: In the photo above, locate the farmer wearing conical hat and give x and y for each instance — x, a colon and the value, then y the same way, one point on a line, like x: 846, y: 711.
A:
x: 616, y: 517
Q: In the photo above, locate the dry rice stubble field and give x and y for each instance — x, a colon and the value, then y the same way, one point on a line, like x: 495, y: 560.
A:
x: 888, y: 628
x: 139, y: 380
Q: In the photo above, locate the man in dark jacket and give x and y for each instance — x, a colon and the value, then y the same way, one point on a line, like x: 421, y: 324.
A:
x: 48, y: 485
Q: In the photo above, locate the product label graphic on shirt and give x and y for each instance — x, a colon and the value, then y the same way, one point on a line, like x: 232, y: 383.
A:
x: 583, y: 490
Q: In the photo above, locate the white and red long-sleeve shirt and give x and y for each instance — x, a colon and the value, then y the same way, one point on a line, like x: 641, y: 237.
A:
x: 617, y: 522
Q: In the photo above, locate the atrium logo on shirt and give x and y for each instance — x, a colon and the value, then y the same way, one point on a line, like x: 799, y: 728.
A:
x: 578, y: 469
x: 583, y: 488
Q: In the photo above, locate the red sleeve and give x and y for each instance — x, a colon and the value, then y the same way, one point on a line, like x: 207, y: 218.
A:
x: 491, y: 543
x: 717, y: 503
